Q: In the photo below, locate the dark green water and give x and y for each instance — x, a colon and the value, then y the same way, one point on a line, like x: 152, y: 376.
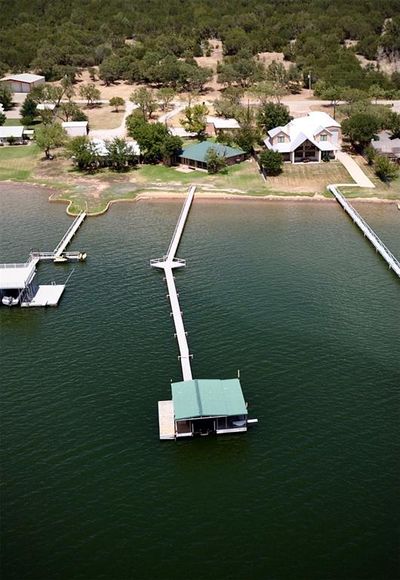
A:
x: 292, y: 295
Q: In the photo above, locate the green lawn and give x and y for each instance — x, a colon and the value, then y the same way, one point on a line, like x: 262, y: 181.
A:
x: 384, y: 190
x: 12, y: 123
x: 18, y: 161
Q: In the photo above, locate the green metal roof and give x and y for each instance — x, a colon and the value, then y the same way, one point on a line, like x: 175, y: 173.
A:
x: 199, y: 152
x: 208, y: 398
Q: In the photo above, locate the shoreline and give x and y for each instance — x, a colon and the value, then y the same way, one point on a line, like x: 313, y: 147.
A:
x: 207, y: 196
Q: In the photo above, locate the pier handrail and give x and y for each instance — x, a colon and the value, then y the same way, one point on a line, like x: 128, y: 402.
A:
x: 384, y: 251
x: 65, y: 239
x: 168, y: 263
x: 185, y: 208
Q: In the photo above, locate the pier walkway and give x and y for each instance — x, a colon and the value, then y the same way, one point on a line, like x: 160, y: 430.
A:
x: 168, y: 263
x: 368, y: 232
x: 69, y: 234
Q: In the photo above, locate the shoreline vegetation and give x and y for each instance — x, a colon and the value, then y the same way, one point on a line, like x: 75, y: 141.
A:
x: 164, y: 194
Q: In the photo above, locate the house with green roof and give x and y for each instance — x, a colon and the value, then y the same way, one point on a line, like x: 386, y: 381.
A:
x: 195, y: 156
x: 204, y: 406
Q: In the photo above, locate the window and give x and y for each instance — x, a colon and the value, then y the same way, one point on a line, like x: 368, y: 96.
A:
x: 324, y: 137
x: 281, y: 139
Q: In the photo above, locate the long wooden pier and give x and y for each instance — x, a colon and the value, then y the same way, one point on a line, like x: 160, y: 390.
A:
x: 168, y: 263
x: 368, y: 232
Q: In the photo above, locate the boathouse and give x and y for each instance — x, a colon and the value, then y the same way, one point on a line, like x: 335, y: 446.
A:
x: 203, y: 407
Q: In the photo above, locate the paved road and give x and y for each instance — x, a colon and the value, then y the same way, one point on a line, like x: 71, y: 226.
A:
x: 355, y: 170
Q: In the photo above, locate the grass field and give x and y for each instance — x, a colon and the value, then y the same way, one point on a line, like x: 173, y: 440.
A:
x: 104, y: 117
x: 12, y: 123
x: 308, y: 177
x: 18, y: 162
x: 384, y: 190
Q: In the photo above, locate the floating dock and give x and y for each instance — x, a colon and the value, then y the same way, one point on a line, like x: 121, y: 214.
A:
x: 368, y: 232
x: 198, y: 406
x: 46, y: 295
x: 17, y: 287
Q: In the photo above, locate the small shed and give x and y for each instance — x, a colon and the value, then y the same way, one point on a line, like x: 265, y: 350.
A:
x: 195, y: 156
x: 216, y: 125
x: 203, y: 407
x: 12, y: 134
x: 76, y: 128
x: 22, y: 83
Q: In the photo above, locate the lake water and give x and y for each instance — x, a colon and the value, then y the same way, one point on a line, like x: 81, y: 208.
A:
x: 289, y: 293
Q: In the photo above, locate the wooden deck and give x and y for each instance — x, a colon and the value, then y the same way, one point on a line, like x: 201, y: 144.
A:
x: 166, y: 420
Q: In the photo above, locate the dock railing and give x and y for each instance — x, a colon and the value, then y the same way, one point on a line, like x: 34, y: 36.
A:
x: 168, y: 263
x: 368, y: 232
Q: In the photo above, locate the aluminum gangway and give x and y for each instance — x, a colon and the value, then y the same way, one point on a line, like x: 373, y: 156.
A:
x: 368, y: 232
x: 69, y: 234
x: 168, y: 263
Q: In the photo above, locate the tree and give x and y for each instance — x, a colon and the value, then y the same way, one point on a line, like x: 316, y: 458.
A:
x: 195, y: 119
x: 215, y: 161
x: 82, y: 152
x: 92, y: 73
x: 145, y: 100
x: 370, y: 154
x: 54, y: 94
x: 68, y: 86
x: 165, y: 96
x: 50, y: 136
x: 119, y: 154
x: 91, y: 93
x: 117, y: 102
x: 171, y: 149
x: 361, y: 128
x: 110, y: 70
x: 134, y: 123
x: 394, y: 125
x: 6, y: 97
x: 70, y: 111
x: 246, y: 137
x: 333, y: 94
x: 385, y: 169
x: 271, y: 162
x: 271, y: 115
x: 2, y: 118
x: 150, y: 137
x: 277, y: 75
x: 28, y: 111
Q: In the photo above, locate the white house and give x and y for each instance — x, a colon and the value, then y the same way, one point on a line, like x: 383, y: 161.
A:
x: 76, y: 128
x: 14, y: 134
x: 312, y: 138
x: 100, y: 147
x: 22, y: 83
x: 217, y: 124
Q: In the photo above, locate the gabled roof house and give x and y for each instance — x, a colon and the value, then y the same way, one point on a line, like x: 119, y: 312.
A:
x: 314, y: 137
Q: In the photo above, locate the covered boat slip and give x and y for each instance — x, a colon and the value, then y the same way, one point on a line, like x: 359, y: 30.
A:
x: 201, y: 407
x: 17, y: 286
